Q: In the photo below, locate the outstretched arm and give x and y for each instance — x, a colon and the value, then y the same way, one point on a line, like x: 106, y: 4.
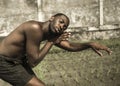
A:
x: 74, y: 47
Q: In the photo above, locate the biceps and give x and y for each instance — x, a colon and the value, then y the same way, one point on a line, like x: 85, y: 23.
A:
x: 32, y: 49
x: 64, y: 44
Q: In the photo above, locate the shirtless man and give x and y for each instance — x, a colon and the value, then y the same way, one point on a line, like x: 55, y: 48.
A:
x: 20, y: 50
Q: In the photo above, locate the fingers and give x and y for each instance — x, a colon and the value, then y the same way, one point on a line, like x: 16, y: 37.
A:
x: 98, y: 52
x: 106, y: 49
x: 96, y: 47
x: 65, y: 36
x: 109, y: 51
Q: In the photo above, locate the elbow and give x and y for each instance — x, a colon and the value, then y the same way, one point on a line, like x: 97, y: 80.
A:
x: 32, y: 65
x: 33, y: 61
x: 72, y: 50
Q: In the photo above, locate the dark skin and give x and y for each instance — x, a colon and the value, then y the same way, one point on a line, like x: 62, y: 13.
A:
x: 26, y: 39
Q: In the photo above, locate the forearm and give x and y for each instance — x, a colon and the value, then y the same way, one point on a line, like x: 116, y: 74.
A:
x: 93, y: 45
x: 45, y: 49
x: 74, y: 47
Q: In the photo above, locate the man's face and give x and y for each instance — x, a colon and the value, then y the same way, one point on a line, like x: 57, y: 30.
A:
x: 59, y: 24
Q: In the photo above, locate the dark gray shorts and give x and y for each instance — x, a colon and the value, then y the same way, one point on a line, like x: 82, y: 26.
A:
x: 15, y: 73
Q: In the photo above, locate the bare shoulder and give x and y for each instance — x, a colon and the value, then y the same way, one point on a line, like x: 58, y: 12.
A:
x: 28, y: 26
x: 33, y: 29
x: 33, y: 24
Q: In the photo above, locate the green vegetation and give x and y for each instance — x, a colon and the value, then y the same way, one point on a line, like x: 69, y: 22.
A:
x: 85, y: 68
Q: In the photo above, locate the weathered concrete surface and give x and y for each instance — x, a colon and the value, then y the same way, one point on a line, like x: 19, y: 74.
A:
x: 111, y: 11
x: 15, y: 12
x: 91, y: 33
x: 80, y: 12
x: 84, y: 12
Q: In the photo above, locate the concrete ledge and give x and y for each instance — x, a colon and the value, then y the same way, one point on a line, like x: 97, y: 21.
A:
x: 88, y: 33
x: 100, y: 28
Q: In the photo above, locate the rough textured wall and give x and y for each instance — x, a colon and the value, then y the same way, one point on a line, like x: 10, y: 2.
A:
x: 80, y: 12
x: 111, y: 11
x: 85, y: 14
x: 14, y: 12
x: 88, y: 33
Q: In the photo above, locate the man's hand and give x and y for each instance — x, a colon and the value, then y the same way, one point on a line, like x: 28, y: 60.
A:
x: 97, y: 47
x: 60, y: 38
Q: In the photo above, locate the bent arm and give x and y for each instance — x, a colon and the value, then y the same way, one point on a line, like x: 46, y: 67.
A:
x: 36, y: 57
x: 33, y: 51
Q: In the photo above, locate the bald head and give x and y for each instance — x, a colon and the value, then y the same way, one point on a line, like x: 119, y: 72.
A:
x: 61, y: 14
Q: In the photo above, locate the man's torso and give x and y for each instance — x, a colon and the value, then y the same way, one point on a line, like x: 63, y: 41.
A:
x: 14, y: 45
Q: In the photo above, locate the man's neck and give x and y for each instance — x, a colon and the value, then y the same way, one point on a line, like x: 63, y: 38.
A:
x: 45, y: 27
x: 46, y: 30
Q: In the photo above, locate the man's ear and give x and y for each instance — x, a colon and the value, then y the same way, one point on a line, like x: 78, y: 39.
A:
x: 51, y: 19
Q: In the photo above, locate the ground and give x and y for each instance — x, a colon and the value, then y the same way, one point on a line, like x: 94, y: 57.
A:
x: 85, y: 68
